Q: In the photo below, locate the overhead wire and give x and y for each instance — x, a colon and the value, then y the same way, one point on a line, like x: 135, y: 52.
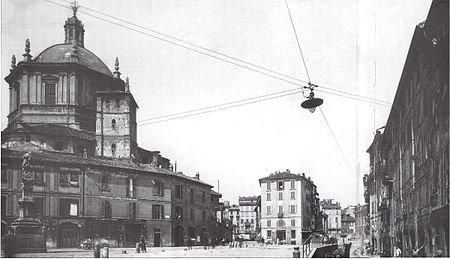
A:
x: 357, y: 97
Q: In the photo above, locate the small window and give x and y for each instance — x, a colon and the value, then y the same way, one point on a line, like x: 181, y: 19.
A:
x: 292, y: 184
x: 179, y: 191
x: 113, y: 124
x: 192, y: 196
x: 280, y: 185
x: 280, y: 196
x: 50, y: 97
x: 4, y: 173
x: 67, y: 179
x: 280, y: 209
x: 74, y: 179
x: 292, y: 222
x: 159, y: 188
x: 292, y: 195
x: 131, y: 190
x: 268, y: 186
x: 157, y: 211
x: 39, y: 177
x: 108, y: 210
x: 105, y: 182
x: 293, y: 234
x: 113, y: 149
x: 269, y: 196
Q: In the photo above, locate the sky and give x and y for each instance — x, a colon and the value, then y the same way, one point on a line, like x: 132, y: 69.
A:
x: 354, y: 46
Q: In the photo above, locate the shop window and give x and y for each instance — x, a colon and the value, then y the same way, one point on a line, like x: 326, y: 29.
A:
x: 157, y: 212
x: 159, y: 188
x: 179, y: 191
x: 68, y: 207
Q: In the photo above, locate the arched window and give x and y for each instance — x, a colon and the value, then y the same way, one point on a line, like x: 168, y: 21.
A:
x: 280, y: 223
x: 113, y: 124
x: 113, y: 149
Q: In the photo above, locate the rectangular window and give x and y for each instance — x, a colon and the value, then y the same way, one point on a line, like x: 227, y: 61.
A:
x: 268, y: 186
x: 242, y: 221
x: 192, y: 196
x: 293, y: 209
x: 17, y: 96
x: 280, y: 209
x: 292, y: 222
x: 269, y: 210
x: 159, y: 188
x: 39, y: 177
x: 193, y: 215
x: 203, y: 197
x: 269, y: 233
x: 50, y: 93
x: 292, y: 234
x: 3, y: 206
x: 203, y: 216
x: 4, y: 173
x: 269, y: 197
x: 252, y: 221
x: 269, y: 223
x: 131, y: 187
x: 292, y: 195
x: 74, y: 179
x: 179, y: 191
x: 108, y: 210
x: 178, y: 213
x: 280, y: 196
x: 157, y: 211
x: 68, y: 207
x: 280, y: 185
x: 105, y: 182
x: 133, y: 210
x: 64, y: 179
x: 67, y: 179
x: 292, y: 184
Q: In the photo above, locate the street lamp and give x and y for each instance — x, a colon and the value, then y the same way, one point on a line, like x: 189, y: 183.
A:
x: 311, y: 103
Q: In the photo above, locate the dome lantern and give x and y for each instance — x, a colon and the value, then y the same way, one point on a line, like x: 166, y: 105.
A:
x: 74, y: 29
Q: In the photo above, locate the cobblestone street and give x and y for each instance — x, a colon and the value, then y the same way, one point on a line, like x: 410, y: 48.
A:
x: 221, y: 251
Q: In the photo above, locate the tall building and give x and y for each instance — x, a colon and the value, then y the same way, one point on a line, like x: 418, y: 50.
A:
x: 289, y: 207
x: 408, y: 183
x: 77, y: 120
x: 361, y: 222
x: 333, y: 211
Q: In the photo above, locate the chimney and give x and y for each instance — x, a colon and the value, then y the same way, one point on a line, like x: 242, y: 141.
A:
x: 197, y: 176
x: 288, y: 171
x: 175, y: 166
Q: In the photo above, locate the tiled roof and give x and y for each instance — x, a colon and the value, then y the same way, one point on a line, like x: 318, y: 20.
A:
x: 73, y: 159
x: 61, y: 53
x: 54, y: 130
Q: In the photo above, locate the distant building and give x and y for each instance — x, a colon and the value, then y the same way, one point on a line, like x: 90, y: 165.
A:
x: 361, y: 222
x: 235, y: 217
x: 333, y: 211
x: 289, y: 207
x: 347, y: 225
x: 248, y: 207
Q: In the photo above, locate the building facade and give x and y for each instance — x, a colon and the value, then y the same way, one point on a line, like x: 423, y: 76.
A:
x: 289, y: 207
x: 92, y: 180
x: 248, y: 207
x: 408, y: 185
x: 333, y: 211
x: 361, y: 222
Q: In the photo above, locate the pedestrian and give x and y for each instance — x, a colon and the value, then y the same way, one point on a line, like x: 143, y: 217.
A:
x: 143, y: 245
x: 397, y: 252
x: 8, y: 244
x: 262, y: 241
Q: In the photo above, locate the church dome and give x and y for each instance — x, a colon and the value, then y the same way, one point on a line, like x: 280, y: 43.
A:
x: 61, y: 53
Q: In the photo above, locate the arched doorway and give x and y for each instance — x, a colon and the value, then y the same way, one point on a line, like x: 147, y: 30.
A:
x: 179, y: 236
x: 69, y: 235
x: 204, y: 236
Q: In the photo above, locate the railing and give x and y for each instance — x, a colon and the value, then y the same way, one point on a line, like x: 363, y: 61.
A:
x: 313, y: 241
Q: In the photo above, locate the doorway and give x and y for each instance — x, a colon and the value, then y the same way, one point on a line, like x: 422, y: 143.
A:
x: 69, y: 235
x: 157, y: 238
x: 179, y: 236
x: 281, y: 234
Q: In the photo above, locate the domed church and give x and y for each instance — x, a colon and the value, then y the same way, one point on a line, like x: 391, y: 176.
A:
x: 77, y: 120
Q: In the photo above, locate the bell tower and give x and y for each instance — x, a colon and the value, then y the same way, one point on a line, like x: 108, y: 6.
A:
x: 73, y: 28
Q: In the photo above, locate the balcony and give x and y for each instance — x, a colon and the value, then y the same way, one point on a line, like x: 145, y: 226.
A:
x: 280, y: 215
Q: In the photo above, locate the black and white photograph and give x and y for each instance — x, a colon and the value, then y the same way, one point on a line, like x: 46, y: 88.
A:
x: 224, y: 128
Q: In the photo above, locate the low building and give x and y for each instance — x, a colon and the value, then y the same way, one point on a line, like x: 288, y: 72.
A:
x: 289, y: 207
x: 347, y: 225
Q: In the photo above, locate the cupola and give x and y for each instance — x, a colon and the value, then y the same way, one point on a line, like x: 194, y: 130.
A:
x: 74, y: 29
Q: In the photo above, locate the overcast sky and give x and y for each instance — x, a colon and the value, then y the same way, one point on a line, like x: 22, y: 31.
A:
x: 342, y: 41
